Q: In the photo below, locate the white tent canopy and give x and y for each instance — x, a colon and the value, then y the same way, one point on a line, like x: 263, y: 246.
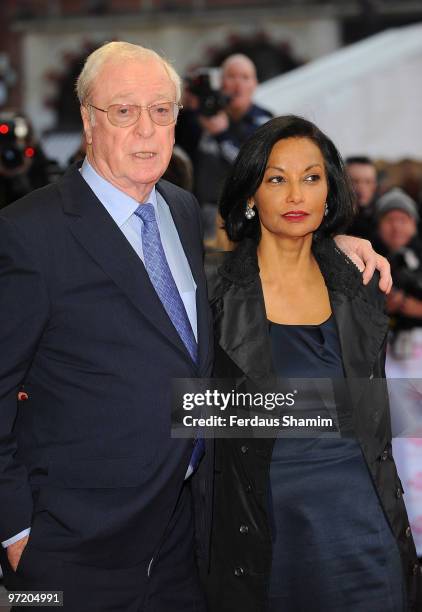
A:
x: 367, y: 97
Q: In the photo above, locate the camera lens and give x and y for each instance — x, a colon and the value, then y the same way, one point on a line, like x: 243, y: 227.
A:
x: 11, y: 158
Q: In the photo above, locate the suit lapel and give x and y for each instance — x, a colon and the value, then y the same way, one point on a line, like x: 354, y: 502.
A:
x: 98, y: 234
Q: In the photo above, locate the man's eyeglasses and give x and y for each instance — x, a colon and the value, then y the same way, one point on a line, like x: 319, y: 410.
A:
x: 124, y: 115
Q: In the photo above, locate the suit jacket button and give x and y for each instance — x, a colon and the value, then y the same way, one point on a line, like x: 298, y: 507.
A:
x: 408, y: 532
x: 239, y: 571
x: 398, y: 493
x: 244, y: 449
x: 384, y: 455
x: 244, y: 529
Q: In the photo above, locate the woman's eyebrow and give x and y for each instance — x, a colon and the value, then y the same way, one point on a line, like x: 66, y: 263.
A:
x: 281, y: 169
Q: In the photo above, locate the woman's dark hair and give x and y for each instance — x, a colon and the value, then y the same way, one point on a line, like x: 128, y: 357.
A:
x: 248, y: 172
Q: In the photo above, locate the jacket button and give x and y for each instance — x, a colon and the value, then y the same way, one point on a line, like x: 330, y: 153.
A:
x: 239, y: 571
x: 398, y: 493
x: 408, y: 532
x: 384, y: 455
x: 244, y: 449
x: 244, y: 529
x: 416, y: 569
x: 248, y: 488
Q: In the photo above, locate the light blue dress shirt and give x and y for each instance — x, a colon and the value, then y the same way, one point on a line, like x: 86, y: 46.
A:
x: 121, y: 208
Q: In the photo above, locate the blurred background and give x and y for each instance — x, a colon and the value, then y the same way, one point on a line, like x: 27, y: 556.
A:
x: 344, y: 59
x: 354, y: 67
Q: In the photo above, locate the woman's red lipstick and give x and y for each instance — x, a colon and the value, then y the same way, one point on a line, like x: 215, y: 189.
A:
x: 295, y: 216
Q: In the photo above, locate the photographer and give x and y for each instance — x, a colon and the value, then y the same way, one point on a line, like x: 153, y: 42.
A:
x: 397, y: 219
x: 216, y: 124
x: 23, y: 165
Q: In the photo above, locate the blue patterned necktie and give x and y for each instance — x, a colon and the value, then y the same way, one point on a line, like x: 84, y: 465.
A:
x: 162, y: 279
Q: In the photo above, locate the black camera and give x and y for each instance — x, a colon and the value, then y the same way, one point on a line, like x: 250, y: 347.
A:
x: 202, y: 83
x: 23, y: 165
x: 14, y: 132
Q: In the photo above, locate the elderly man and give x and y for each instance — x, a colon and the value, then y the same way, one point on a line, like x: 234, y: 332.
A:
x: 103, y: 302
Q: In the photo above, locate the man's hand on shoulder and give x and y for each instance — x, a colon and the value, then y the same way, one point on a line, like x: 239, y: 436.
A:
x: 360, y: 251
x: 14, y: 552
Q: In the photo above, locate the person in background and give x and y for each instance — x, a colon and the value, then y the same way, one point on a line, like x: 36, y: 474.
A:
x: 363, y: 175
x: 79, y: 154
x: 315, y: 522
x: 221, y: 135
x: 397, y: 238
x: 397, y: 221
x: 23, y: 163
x: 180, y: 170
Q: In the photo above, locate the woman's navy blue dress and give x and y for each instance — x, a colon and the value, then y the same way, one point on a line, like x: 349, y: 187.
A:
x: 333, y: 550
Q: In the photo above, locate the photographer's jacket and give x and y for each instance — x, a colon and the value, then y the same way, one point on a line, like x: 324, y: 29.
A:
x: 240, y: 565
x: 216, y: 153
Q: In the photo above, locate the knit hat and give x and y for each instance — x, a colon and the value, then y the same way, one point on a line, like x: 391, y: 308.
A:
x: 396, y: 199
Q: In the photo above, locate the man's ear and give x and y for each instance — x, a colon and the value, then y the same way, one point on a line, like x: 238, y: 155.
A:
x: 87, y: 124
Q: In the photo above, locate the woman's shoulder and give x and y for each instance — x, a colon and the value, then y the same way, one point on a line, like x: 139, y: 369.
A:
x: 238, y: 267
x: 342, y: 275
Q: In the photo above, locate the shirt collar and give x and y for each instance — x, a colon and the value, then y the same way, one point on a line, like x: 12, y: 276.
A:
x: 118, y: 204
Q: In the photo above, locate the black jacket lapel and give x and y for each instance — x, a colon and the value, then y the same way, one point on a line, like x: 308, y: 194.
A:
x: 243, y: 331
x: 361, y: 333
x: 358, y: 310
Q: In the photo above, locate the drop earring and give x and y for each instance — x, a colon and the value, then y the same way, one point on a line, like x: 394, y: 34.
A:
x: 249, y: 212
x: 326, y: 209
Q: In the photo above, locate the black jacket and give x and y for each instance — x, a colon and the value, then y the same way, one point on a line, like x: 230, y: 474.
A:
x: 241, y: 542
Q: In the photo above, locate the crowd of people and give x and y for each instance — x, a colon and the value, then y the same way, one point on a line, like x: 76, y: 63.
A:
x: 392, y: 222
x: 105, y: 302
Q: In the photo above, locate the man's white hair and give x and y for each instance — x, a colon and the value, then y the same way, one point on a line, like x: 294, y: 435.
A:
x: 116, y: 52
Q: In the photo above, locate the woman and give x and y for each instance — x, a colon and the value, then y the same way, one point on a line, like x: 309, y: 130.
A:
x: 312, y: 524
